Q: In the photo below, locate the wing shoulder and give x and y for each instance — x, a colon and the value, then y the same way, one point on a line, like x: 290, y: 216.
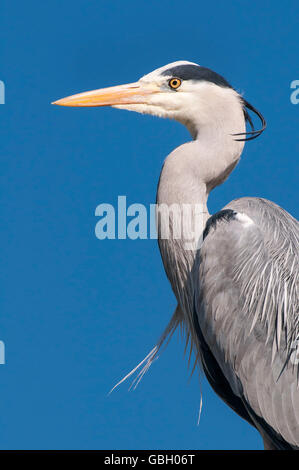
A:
x: 247, y: 308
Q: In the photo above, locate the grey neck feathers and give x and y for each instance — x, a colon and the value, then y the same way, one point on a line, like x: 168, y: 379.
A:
x: 188, y: 175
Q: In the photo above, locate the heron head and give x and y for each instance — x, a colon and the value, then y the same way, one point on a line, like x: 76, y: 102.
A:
x: 187, y: 92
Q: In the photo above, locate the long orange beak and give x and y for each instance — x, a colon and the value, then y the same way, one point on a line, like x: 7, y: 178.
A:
x: 132, y: 93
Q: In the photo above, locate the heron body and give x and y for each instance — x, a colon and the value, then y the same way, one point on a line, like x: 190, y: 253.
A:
x: 237, y: 289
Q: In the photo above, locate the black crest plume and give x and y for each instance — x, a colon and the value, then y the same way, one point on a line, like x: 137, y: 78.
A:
x: 253, y: 134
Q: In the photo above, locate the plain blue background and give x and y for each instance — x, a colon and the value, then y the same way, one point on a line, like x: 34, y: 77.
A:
x: 78, y: 313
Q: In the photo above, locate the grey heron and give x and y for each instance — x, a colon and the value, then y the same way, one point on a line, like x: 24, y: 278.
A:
x: 236, y: 291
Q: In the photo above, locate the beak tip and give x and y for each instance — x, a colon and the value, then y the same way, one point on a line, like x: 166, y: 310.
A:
x: 57, y: 102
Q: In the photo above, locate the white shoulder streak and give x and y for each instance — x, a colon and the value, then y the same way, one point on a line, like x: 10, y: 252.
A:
x: 244, y: 219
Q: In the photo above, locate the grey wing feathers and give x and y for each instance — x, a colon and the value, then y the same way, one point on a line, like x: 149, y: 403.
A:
x: 247, y: 310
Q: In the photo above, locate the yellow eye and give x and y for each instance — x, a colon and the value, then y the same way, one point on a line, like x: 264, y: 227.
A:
x: 174, y: 83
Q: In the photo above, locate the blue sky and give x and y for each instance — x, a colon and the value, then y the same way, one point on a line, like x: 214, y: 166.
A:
x: 78, y: 313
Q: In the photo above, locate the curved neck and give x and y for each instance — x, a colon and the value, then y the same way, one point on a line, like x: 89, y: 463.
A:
x: 192, y: 170
x: 189, y: 173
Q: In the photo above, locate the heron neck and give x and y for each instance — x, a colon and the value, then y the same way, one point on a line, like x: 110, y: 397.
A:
x: 192, y: 170
x: 188, y: 175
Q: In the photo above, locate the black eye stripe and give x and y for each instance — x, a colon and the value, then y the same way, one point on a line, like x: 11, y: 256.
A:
x: 196, y: 72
